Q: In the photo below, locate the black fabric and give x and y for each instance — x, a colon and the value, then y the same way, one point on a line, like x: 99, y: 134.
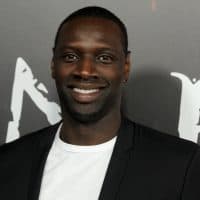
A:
x: 145, y: 165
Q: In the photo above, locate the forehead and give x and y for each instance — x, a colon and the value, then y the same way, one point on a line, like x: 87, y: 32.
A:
x: 91, y: 29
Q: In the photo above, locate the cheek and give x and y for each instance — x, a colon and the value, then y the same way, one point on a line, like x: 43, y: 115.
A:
x: 62, y: 71
x: 114, y: 75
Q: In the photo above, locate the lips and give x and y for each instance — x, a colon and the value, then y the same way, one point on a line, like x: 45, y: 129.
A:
x: 86, y: 93
x: 84, y: 96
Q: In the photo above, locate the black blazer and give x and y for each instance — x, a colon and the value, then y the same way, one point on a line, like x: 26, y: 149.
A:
x: 145, y: 165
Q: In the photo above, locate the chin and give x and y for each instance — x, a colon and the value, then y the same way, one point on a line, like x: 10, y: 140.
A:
x: 87, y: 118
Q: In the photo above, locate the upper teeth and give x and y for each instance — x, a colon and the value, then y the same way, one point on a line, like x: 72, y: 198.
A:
x: 84, y: 91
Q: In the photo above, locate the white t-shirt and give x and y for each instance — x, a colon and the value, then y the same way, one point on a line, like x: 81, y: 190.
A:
x: 74, y: 172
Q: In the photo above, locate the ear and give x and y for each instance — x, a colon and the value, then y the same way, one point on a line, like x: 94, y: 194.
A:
x: 52, y: 69
x: 127, y: 66
x: 53, y: 72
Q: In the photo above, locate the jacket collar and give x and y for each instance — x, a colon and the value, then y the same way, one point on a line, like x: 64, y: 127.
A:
x: 119, y: 161
x: 40, y: 152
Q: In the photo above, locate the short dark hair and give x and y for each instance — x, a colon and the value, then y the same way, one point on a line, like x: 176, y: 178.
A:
x: 96, y: 11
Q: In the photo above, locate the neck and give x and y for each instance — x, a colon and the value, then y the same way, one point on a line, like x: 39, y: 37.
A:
x: 74, y: 132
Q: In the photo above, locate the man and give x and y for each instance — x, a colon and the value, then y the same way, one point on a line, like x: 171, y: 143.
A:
x: 95, y: 152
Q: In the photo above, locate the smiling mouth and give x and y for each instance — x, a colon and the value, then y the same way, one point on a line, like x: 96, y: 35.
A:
x: 85, y: 94
x: 85, y: 91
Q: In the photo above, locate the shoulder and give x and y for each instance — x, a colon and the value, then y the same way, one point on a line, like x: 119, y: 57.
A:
x: 157, y: 160
x: 25, y: 145
x: 151, y: 140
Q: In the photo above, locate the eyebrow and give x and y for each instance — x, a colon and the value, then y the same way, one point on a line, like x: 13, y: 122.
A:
x: 75, y: 48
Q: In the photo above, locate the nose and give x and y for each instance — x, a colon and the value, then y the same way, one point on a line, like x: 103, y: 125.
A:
x: 86, y: 68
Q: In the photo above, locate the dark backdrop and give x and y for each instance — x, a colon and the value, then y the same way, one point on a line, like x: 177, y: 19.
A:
x: 163, y: 91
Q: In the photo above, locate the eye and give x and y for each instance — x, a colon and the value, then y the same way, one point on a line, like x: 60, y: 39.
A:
x: 70, y: 57
x: 105, y: 59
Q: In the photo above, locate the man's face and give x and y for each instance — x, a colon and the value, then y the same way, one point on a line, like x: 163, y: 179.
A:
x: 89, y: 67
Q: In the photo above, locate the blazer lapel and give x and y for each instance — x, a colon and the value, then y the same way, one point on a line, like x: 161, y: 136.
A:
x: 41, y: 150
x: 118, y: 163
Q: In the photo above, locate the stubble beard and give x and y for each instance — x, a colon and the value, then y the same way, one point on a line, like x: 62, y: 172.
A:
x: 87, y: 113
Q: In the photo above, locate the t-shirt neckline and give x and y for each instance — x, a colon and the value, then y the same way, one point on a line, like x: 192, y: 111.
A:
x: 106, y: 146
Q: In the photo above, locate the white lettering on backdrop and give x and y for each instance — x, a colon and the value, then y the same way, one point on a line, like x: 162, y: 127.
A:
x: 24, y: 82
x: 189, y: 118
